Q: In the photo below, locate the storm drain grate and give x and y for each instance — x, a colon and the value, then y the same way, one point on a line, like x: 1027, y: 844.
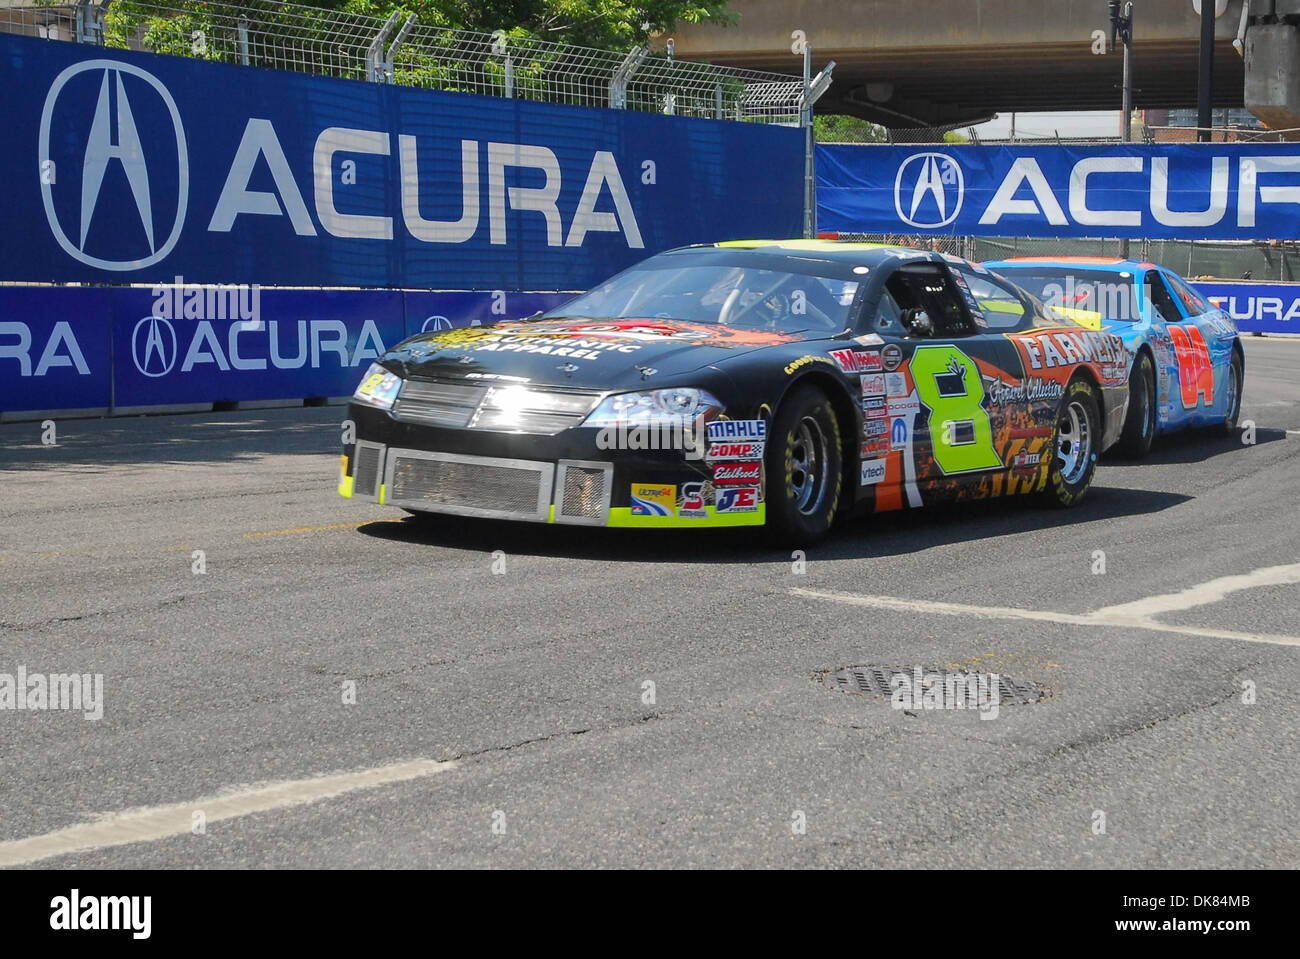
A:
x: 877, y: 681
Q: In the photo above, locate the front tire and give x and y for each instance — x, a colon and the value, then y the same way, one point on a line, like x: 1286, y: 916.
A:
x: 804, y: 468
x: 1076, y: 439
x: 1140, y: 423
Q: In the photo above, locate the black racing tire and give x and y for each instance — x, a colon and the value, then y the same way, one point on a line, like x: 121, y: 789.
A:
x: 1076, y: 439
x: 804, y: 467
x: 1140, y: 423
x: 1236, y: 378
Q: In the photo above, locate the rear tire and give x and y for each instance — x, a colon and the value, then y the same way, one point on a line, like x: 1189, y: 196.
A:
x: 1235, y: 378
x: 1076, y: 439
x: 1140, y: 423
x: 804, y: 468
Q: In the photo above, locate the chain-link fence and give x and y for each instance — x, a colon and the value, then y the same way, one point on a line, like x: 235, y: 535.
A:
x: 405, y: 51
x: 1197, y: 259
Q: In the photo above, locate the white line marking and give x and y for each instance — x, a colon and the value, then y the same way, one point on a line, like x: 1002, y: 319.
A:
x: 159, y: 822
x: 1203, y: 593
x: 1010, y: 612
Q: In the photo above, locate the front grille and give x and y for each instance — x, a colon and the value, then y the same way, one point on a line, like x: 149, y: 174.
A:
x: 584, y: 493
x: 437, y: 404
x: 520, y: 410
x: 470, y: 485
x: 365, y: 476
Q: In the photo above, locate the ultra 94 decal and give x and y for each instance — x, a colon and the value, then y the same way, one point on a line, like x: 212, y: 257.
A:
x: 948, y: 382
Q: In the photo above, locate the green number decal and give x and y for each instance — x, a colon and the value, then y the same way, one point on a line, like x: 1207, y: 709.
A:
x: 948, y: 382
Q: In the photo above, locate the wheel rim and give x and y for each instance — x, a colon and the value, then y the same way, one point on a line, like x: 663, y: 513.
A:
x: 808, y: 465
x: 1073, y: 442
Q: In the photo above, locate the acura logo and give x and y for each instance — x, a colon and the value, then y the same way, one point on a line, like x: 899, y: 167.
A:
x: 436, y: 324
x: 937, y: 190
x: 114, y: 136
x: 153, y: 346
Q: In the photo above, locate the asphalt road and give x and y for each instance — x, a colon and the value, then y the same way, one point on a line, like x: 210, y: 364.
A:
x: 502, y: 718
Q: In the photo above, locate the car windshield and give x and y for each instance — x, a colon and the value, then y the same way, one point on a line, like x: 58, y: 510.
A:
x: 1081, y: 295
x: 720, y: 294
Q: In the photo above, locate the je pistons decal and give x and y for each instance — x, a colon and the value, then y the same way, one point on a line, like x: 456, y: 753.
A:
x: 737, y: 499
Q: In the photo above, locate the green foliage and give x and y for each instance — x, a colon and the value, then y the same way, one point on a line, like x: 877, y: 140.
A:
x: 842, y: 129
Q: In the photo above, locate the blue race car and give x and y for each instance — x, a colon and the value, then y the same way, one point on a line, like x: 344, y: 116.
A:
x: 1186, y: 363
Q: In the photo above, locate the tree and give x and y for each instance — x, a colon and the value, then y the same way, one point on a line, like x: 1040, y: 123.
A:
x: 843, y: 129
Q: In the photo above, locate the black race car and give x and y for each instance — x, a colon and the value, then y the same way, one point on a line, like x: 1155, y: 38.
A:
x: 747, y: 383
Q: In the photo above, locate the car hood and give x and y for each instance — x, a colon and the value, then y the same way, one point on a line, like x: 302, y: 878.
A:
x: 583, y: 353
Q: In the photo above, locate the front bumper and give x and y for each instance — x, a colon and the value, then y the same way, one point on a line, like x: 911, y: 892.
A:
x: 565, y: 478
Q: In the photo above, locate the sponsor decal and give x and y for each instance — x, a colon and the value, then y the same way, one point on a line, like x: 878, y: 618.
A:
x: 1030, y: 432
x: 857, y: 361
x: 693, y: 501
x: 898, y: 433
x: 735, y: 451
x: 873, y: 471
x: 872, y: 428
x: 873, y: 384
x: 654, y: 500
x: 804, y: 361
x: 737, y: 473
x: 874, y: 407
x: 1025, y: 459
x: 896, y: 384
x: 737, y: 499
x: 1031, y: 390
x: 632, y: 331
x: 875, y: 447
x: 892, y: 357
x: 903, y: 405
x: 722, y: 430
x: 1067, y: 347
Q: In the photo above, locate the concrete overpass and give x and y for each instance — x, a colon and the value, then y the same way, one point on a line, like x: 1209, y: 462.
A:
x: 922, y: 63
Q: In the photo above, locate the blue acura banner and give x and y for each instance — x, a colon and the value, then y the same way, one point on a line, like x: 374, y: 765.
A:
x: 123, y: 167
x: 1186, y: 191
x: 1257, y: 307
x: 180, y: 344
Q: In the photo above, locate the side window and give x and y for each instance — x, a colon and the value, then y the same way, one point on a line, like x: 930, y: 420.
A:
x: 1193, y: 303
x: 889, y: 316
x: 1161, y: 299
x: 928, y: 288
x: 999, y: 302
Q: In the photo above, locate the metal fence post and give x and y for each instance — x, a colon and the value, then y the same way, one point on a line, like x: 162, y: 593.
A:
x: 622, y: 76
x: 90, y: 20
x: 242, y: 29
x: 375, y: 52
x: 813, y: 89
x: 386, y: 64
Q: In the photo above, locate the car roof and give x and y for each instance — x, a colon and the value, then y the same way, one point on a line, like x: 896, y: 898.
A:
x: 833, y: 251
x: 1109, y: 264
